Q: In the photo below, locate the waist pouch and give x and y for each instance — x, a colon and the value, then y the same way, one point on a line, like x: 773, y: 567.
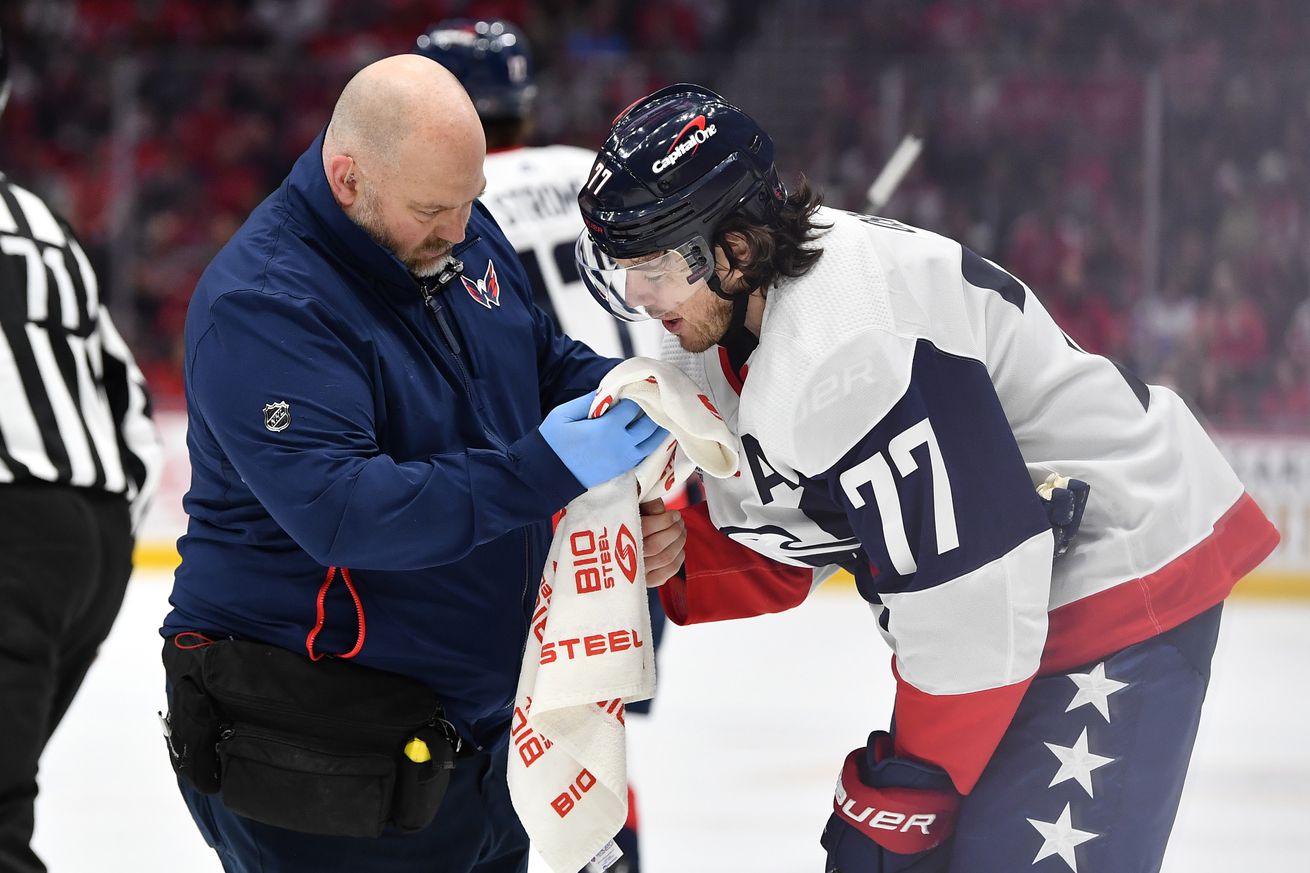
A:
x: 325, y: 747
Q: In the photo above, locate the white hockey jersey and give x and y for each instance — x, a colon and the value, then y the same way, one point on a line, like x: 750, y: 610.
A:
x: 905, y: 398
x: 533, y: 194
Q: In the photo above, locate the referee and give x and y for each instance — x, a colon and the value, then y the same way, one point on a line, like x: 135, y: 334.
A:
x: 79, y: 457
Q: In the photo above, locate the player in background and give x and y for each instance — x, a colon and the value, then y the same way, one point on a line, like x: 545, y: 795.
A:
x: 532, y: 193
x: 531, y: 190
x: 897, y: 398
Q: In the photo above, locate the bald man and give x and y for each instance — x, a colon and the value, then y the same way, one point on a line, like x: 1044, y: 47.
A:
x: 372, y: 486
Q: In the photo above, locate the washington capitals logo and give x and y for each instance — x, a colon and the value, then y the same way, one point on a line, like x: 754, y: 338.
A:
x: 485, y: 290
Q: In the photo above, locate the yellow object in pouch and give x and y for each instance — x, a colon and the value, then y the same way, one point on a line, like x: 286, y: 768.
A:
x: 417, y: 751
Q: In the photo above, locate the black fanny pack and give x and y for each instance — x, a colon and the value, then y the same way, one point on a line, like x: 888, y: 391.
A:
x: 325, y: 747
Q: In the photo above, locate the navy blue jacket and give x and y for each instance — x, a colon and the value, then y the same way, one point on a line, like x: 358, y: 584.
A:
x: 405, y: 453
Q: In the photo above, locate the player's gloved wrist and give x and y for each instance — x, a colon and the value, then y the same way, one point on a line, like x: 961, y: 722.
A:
x: 596, y: 450
x: 849, y: 851
x: 894, y: 805
x: 1064, y: 499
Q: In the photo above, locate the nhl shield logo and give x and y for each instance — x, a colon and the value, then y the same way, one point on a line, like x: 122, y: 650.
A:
x: 485, y: 290
x: 277, y: 416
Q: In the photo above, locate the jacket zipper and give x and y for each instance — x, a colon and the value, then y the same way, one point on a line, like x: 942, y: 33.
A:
x: 439, y: 313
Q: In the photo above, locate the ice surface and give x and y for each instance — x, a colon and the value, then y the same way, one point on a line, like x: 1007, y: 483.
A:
x: 735, y: 768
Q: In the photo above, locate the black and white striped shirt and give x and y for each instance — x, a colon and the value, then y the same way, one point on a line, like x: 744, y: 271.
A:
x: 73, y: 404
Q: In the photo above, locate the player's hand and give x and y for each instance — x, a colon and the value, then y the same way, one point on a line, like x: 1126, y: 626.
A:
x: 890, y: 815
x: 663, y: 540
x: 1065, y: 499
x: 867, y: 856
x: 597, y: 449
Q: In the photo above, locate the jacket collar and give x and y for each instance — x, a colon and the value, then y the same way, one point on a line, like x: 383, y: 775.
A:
x: 311, y: 194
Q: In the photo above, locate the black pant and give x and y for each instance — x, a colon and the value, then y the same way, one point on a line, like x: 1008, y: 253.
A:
x: 65, y: 557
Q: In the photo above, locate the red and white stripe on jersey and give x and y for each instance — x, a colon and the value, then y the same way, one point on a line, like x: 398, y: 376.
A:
x: 1141, y: 608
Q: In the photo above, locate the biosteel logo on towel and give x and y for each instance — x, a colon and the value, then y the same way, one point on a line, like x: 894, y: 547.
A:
x: 594, y: 558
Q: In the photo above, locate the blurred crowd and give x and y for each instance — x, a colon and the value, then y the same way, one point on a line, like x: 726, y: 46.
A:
x: 1145, y: 167
x: 156, y: 125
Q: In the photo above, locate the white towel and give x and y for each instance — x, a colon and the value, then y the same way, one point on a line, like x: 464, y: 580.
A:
x: 590, y: 651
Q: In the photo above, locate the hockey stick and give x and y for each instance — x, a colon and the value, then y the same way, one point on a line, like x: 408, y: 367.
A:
x: 883, y: 187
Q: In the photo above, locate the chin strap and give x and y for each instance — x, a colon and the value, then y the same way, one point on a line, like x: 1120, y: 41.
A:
x: 717, y: 287
x: 737, y: 340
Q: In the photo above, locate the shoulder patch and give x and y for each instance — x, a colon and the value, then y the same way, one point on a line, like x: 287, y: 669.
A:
x: 277, y: 416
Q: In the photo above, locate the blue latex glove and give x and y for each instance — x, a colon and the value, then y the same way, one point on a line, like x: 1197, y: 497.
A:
x: 597, y: 449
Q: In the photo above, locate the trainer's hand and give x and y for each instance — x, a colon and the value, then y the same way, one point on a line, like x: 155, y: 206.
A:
x: 663, y: 540
x: 597, y: 449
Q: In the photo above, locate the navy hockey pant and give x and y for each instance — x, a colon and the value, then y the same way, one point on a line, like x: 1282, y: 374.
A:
x: 475, y: 831
x: 65, y: 557
x: 1089, y: 775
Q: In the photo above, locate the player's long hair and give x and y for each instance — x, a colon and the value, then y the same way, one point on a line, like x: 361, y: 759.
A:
x: 783, y: 249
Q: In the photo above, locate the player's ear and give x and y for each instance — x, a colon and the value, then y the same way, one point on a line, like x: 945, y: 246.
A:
x: 741, y: 249
x: 731, y: 255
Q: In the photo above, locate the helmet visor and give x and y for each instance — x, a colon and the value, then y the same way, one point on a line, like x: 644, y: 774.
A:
x: 637, y: 289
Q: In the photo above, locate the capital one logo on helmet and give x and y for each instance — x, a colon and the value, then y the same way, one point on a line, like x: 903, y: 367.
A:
x: 685, y: 143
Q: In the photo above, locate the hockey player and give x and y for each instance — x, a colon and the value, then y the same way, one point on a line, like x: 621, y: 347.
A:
x: 532, y: 193
x: 897, y: 397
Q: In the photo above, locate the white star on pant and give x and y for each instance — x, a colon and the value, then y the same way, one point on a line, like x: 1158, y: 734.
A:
x: 1076, y: 763
x: 1095, y: 689
x: 1060, y: 837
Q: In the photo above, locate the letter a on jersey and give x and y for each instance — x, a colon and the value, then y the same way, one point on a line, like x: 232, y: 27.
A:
x: 486, y: 290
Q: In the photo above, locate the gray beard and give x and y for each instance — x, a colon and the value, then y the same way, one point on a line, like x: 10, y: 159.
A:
x: 432, y: 269
x: 367, y: 219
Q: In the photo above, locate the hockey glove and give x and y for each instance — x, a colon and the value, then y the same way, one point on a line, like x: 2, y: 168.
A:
x: 890, y: 815
x: 597, y: 449
x: 1065, y: 501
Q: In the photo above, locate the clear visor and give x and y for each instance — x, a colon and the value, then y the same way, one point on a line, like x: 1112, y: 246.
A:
x: 636, y: 289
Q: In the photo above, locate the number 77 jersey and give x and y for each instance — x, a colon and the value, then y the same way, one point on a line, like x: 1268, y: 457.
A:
x: 904, y: 400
